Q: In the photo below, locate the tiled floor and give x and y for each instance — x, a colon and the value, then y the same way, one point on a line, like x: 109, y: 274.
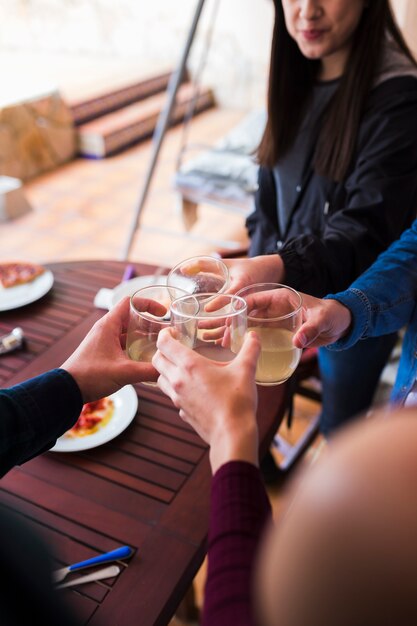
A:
x: 84, y: 209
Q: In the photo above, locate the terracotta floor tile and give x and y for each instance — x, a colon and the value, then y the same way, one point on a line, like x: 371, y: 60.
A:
x: 109, y: 236
x: 43, y: 249
x: 15, y: 244
x: 85, y: 208
x: 92, y: 250
x: 44, y: 220
x: 102, y: 211
x: 75, y: 229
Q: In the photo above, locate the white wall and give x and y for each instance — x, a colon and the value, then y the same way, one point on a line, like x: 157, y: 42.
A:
x: 406, y: 13
x: 147, y: 34
x: 75, y: 43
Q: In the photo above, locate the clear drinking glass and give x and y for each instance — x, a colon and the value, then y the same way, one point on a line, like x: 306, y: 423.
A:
x: 216, y: 334
x: 200, y: 274
x: 275, y: 314
x: 149, y: 314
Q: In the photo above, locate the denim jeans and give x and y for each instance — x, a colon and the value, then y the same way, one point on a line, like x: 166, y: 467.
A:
x: 349, y: 379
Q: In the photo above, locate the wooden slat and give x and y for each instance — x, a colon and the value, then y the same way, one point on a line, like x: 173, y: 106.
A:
x: 121, y: 478
x: 157, y: 441
x: 93, y: 490
x: 165, y: 427
x: 137, y: 450
x: 107, y: 512
x: 62, y: 532
x: 136, y: 466
x: 166, y: 412
x: 83, y: 607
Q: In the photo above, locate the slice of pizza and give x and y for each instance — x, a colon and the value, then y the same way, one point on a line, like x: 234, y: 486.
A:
x: 19, y: 273
x: 94, y: 415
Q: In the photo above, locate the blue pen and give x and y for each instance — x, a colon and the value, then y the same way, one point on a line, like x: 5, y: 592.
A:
x: 115, y: 555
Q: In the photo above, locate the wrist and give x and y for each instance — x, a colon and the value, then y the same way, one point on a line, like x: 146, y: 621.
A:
x: 272, y: 268
x: 78, y: 378
x: 342, y: 316
x: 235, y: 444
x: 346, y: 319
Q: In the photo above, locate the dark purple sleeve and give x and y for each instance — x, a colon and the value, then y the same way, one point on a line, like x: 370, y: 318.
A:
x: 239, y: 511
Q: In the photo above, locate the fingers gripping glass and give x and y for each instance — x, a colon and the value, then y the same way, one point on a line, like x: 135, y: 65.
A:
x: 275, y: 314
x: 217, y: 334
x: 200, y: 274
x: 149, y: 314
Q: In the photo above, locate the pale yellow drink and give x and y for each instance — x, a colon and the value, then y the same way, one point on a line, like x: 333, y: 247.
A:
x: 278, y: 358
x: 142, y: 349
x: 215, y: 353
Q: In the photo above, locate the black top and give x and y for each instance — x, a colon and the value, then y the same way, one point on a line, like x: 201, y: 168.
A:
x: 336, y: 230
x: 289, y: 170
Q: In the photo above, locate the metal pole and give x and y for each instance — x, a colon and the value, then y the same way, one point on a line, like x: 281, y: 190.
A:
x: 162, y: 125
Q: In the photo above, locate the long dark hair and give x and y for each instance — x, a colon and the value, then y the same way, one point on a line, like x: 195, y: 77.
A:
x: 291, y: 79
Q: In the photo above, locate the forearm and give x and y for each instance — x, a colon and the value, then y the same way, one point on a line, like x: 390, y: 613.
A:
x: 239, y: 512
x: 268, y: 268
x: 34, y: 414
x: 382, y: 299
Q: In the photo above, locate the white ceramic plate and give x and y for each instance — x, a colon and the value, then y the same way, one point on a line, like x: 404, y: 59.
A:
x: 125, y: 407
x: 128, y: 287
x: 15, y: 297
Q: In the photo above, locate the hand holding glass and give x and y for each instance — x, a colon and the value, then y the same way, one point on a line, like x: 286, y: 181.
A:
x: 275, y: 314
x: 216, y: 334
x: 149, y: 314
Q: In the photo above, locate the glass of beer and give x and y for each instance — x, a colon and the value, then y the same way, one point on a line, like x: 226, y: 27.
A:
x: 149, y: 314
x: 275, y: 314
x: 216, y: 333
x: 200, y: 274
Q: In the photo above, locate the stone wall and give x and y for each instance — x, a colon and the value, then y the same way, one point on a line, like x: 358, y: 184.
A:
x: 36, y: 135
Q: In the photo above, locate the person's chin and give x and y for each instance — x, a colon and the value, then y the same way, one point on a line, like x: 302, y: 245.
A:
x: 312, y: 52
x: 313, y: 48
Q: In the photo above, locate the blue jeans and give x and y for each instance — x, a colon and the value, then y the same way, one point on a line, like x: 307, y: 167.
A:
x: 349, y: 379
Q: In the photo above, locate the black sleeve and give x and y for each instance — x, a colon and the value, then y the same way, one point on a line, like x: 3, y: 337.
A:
x: 378, y: 200
x: 34, y: 414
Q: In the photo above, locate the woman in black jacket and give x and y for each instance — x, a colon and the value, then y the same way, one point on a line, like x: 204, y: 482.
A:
x: 338, y: 168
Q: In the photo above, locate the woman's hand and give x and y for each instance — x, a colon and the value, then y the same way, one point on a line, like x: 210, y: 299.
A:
x: 326, y: 321
x: 99, y: 365
x: 218, y: 399
x: 267, y: 268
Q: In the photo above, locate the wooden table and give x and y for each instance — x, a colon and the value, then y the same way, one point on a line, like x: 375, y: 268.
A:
x: 148, y: 488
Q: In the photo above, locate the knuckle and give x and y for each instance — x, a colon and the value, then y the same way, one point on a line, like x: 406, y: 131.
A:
x: 188, y: 365
x: 177, y: 386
